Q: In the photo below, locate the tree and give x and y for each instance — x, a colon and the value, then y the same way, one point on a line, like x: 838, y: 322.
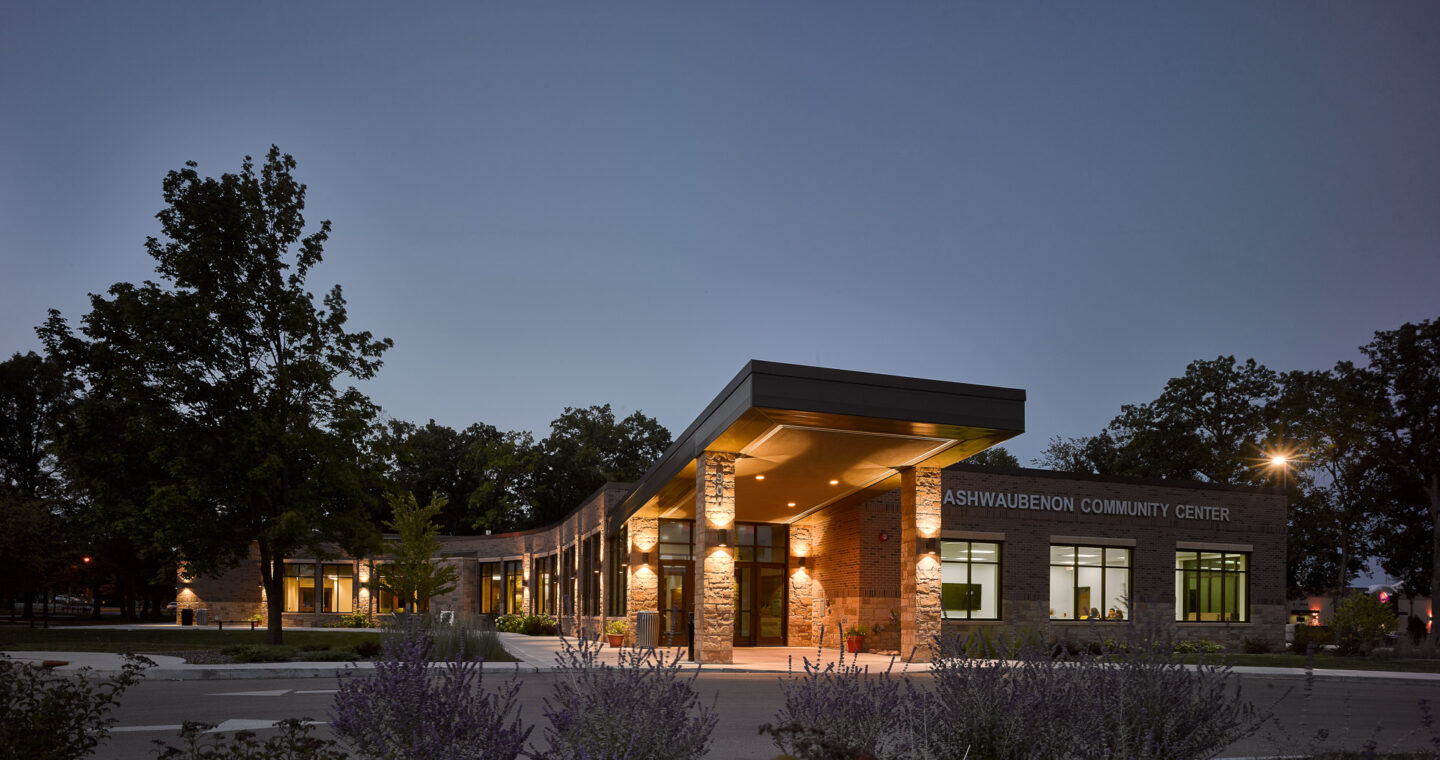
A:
x: 1405, y: 364
x: 34, y: 393
x: 995, y: 456
x: 238, y: 365
x: 412, y: 574
x: 587, y: 448
x: 482, y: 471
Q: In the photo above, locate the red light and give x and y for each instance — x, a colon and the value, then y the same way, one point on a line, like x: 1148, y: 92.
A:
x: 1384, y: 597
x: 86, y: 559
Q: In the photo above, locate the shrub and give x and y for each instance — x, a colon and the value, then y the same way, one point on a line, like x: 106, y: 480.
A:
x: 615, y: 628
x: 1362, y: 622
x: 540, y: 625
x: 368, y: 649
x: 1255, y: 645
x: 467, y: 635
x: 640, y: 709
x: 510, y: 623
x: 353, y: 620
x: 1186, y: 647
x: 294, y: 741
x: 50, y: 717
x: 259, y: 653
x: 836, y: 711
x: 1415, y: 626
x: 400, y: 712
x: 1305, y: 635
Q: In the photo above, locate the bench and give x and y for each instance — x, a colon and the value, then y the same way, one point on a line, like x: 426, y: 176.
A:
x: 220, y: 624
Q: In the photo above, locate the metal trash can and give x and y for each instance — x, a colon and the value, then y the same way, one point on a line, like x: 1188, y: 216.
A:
x: 187, y: 616
x: 647, y: 629
x: 200, y: 616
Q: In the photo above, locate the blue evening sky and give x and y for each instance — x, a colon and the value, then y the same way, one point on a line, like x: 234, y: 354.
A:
x: 548, y: 204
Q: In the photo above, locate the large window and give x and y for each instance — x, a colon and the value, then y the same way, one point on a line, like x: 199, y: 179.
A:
x: 970, y: 580
x: 567, y: 581
x: 492, y: 586
x: 339, y: 588
x: 543, y: 582
x: 1089, y: 583
x: 675, y: 539
x: 618, y: 555
x: 590, y: 575
x: 514, y: 587
x: 1212, y: 586
x: 299, y: 583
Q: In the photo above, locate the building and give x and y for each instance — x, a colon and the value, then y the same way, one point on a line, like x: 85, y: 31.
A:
x: 803, y: 500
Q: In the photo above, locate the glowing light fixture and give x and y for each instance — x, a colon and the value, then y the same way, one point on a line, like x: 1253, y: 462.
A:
x: 759, y: 477
x: 790, y: 504
x: 834, y: 482
x: 1279, y: 460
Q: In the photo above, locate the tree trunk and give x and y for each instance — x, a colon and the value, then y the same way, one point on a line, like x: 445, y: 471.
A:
x: 272, y: 577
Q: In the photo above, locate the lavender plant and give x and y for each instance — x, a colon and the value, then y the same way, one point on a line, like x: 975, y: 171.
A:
x: 44, y: 716
x: 294, y: 742
x: 839, y: 710
x: 406, y: 710
x: 640, y: 709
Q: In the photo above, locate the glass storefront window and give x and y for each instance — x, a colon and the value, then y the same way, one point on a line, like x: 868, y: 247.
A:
x: 1212, y: 586
x: 970, y: 580
x: 299, y: 583
x: 1089, y: 583
x: 339, y: 588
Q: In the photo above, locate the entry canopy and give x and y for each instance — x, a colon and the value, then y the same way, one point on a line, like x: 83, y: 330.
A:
x: 810, y: 437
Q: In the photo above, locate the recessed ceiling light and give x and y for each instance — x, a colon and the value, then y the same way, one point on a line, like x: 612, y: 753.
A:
x: 759, y: 477
x: 834, y: 482
x: 791, y: 504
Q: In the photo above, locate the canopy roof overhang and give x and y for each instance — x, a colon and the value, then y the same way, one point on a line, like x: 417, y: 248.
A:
x: 799, y: 428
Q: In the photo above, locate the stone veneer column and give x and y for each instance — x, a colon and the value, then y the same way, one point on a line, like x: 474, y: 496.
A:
x: 919, y: 574
x: 714, y: 592
x: 800, y: 586
x: 644, y: 591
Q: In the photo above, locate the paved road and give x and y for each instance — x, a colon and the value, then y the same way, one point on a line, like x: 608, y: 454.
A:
x: 1350, y: 709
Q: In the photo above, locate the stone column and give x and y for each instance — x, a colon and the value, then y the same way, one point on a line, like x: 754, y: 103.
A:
x: 801, y: 593
x: 714, y: 582
x: 643, y: 594
x: 919, y: 573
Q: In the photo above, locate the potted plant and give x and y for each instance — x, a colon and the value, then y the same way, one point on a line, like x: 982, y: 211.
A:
x: 615, y: 631
x: 855, y: 638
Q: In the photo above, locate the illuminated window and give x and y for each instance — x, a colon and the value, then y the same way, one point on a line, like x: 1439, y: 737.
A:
x: 492, y: 588
x: 514, y: 587
x: 1212, y: 587
x: 617, y: 554
x: 1089, y: 583
x: 970, y: 580
x: 338, y: 588
x: 299, y: 583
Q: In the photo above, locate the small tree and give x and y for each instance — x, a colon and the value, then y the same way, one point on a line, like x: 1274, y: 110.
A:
x: 411, y: 575
x: 1361, y: 621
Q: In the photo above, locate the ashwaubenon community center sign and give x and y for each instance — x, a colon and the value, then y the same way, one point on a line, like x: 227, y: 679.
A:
x: 1156, y: 510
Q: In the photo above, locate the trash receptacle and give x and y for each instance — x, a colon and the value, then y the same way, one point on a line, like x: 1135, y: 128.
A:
x: 200, y: 616
x: 187, y: 616
x: 647, y: 629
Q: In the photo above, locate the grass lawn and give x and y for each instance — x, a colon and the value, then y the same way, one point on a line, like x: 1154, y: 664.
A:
x: 160, y: 641
x: 1323, y: 662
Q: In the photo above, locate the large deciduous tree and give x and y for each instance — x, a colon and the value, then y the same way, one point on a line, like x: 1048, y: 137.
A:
x: 585, y: 449
x: 1405, y: 364
x: 240, y: 367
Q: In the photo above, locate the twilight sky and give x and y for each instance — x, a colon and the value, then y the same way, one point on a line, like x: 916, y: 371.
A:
x: 548, y: 204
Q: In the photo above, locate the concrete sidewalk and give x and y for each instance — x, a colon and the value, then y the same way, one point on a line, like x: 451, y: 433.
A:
x: 538, y: 654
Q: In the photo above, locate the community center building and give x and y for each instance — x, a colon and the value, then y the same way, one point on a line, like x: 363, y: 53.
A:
x: 804, y: 500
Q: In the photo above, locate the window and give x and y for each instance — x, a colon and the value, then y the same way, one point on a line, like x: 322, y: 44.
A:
x: 339, y: 588
x: 1089, y: 583
x: 675, y: 539
x: 387, y: 601
x: 514, y: 587
x: 567, y: 581
x: 1212, y: 586
x: 970, y: 580
x: 759, y: 542
x: 492, y: 584
x: 618, y: 553
x: 299, y: 584
x: 590, y: 575
x: 543, y: 580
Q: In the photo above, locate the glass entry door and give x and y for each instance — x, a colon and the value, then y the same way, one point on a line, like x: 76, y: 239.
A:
x: 674, y: 604
x: 760, y: 585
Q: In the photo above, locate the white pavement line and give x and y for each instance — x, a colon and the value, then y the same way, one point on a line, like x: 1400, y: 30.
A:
x: 267, y: 693
x: 130, y: 729
x: 316, y: 691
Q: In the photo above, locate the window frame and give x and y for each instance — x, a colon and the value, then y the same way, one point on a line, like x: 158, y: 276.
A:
x: 999, y: 564
x: 1126, y: 613
x: 1219, y: 576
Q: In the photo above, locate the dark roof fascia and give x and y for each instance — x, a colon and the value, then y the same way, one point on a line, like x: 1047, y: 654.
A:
x: 741, y: 394
x: 1031, y: 472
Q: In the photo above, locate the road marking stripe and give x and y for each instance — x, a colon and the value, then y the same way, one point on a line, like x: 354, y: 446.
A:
x: 267, y: 693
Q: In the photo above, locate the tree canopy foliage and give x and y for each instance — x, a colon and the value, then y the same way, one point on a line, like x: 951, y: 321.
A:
x: 412, y: 573
x: 237, y: 367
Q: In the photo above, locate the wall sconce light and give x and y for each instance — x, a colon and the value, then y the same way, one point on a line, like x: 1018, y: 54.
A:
x: 644, y: 558
x: 802, y: 563
x: 927, y: 546
x: 720, y: 537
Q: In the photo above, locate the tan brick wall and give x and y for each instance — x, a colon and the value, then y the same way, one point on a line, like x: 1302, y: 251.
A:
x: 644, y: 534
x: 919, y: 573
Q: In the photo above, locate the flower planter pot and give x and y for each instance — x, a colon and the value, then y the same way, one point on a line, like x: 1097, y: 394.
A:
x: 616, y: 640
x: 854, y: 644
